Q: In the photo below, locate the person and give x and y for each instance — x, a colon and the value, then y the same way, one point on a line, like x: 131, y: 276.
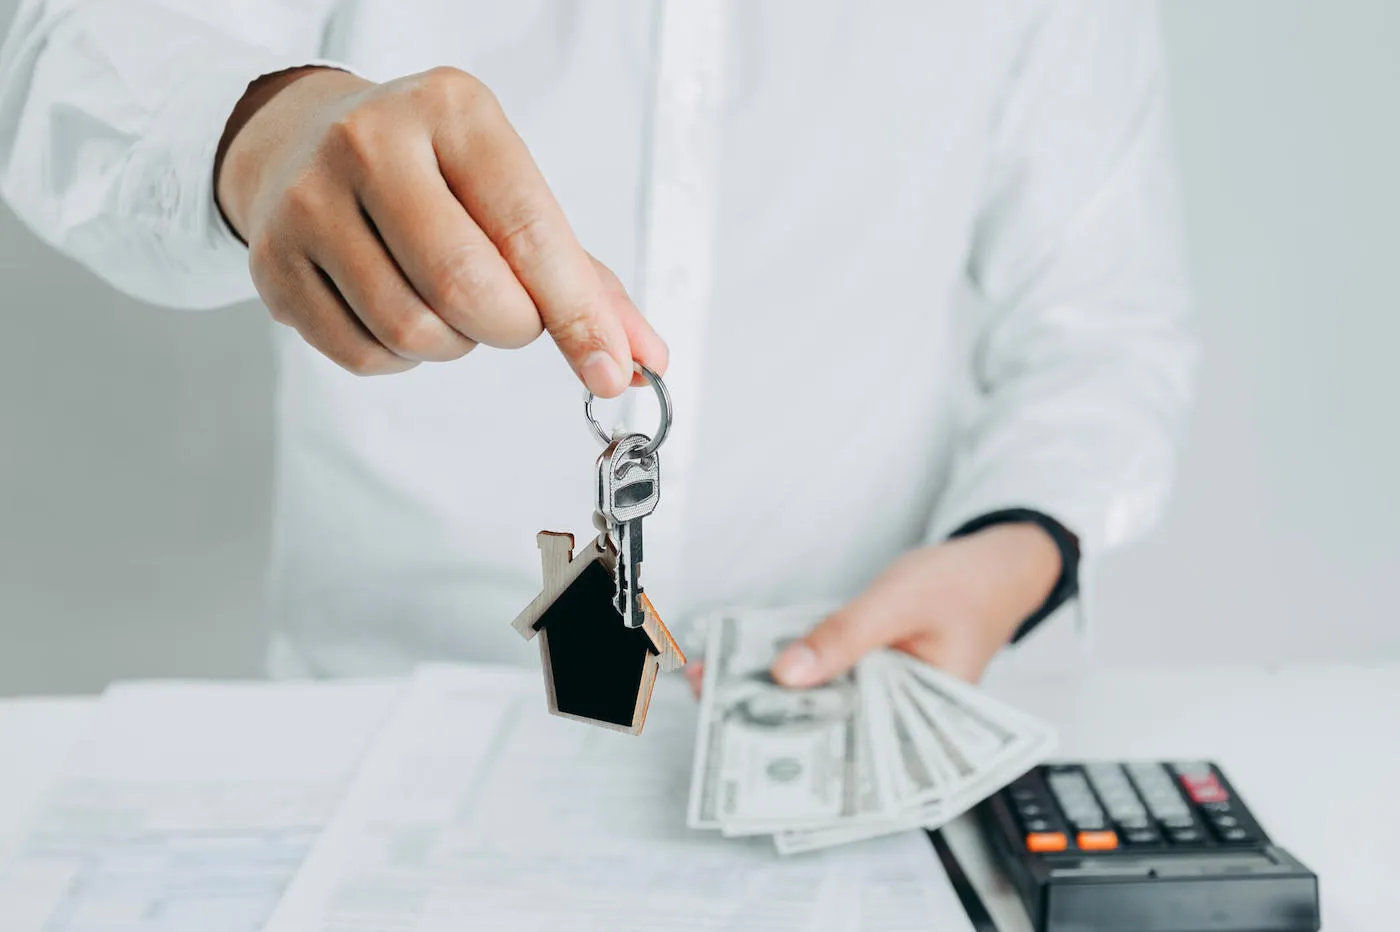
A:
x: 916, y: 266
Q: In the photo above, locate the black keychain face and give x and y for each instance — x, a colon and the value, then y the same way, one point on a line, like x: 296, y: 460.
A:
x: 596, y: 668
x: 598, y: 665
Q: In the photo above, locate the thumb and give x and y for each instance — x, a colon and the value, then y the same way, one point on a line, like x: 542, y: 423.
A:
x: 647, y: 347
x: 593, y: 338
x: 832, y: 647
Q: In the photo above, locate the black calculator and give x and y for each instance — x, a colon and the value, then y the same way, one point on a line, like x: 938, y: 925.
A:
x: 1144, y: 846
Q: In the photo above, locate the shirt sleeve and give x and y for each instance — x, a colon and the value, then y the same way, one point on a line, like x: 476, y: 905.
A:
x: 1081, y: 355
x: 110, y: 115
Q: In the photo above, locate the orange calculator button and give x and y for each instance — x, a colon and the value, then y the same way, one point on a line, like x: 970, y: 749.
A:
x: 1097, y: 841
x: 1046, y: 841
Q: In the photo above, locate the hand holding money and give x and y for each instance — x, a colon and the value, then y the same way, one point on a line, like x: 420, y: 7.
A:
x: 953, y: 605
x: 889, y: 745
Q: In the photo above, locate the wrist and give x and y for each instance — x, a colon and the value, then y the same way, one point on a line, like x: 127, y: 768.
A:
x: 1013, y: 568
x: 264, y: 118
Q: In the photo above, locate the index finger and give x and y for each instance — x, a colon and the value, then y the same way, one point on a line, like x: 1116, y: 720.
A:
x: 490, y: 170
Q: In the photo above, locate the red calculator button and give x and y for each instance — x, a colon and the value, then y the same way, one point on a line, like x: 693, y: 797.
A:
x: 1046, y: 841
x: 1097, y: 841
x: 1209, y: 794
x: 1205, y: 789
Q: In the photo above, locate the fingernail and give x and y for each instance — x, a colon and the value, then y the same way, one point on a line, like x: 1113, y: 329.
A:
x: 796, y: 665
x: 602, y: 375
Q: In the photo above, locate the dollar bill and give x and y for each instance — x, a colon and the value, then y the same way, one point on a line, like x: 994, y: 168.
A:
x: 768, y: 758
x: 892, y: 746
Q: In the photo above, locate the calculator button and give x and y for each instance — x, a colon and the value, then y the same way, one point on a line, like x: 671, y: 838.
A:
x: 1184, y: 836
x: 1142, y: 836
x: 1205, y: 789
x: 1118, y: 796
x: 1228, y: 828
x: 1030, y: 810
x: 1145, y: 772
x: 1041, y: 842
x: 1158, y: 791
x: 1208, y: 793
x: 1168, y: 808
x: 1038, y: 825
x: 1125, y: 802
x: 1071, y: 789
x: 1090, y: 823
x: 1097, y: 841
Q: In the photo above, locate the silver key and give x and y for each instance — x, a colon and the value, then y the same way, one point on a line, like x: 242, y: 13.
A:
x: 629, y: 486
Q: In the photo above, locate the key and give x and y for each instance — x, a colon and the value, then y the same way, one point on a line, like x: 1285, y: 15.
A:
x: 629, y: 487
x: 628, y: 490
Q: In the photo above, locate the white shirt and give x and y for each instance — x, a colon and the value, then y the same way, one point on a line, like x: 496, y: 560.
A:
x: 915, y: 261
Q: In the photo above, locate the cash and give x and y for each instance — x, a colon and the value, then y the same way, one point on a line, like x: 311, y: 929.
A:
x: 893, y: 745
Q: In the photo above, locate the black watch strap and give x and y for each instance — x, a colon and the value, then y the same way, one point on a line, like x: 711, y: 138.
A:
x: 1066, y: 587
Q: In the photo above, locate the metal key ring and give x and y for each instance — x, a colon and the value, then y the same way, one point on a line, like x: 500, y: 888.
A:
x: 663, y: 397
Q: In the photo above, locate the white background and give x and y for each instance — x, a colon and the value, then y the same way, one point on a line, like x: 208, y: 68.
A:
x: 135, y: 442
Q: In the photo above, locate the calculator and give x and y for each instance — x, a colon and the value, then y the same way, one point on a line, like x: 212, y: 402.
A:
x: 1144, y: 846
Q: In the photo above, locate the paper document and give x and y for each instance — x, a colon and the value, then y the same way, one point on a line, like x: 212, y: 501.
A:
x: 478, y: 810
x: 189, y: 806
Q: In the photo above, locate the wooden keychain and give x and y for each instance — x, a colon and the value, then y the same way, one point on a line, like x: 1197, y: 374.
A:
x: 601, y: 640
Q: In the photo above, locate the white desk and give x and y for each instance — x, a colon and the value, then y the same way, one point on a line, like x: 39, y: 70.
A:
x: 1315, y: 752
x: 35, y: 737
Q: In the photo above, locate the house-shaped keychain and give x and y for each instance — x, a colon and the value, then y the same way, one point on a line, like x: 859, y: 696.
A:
x: 596, y: 669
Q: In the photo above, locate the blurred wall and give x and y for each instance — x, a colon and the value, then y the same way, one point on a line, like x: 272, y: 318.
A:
x: 1282, y: 541
x: 135, y: 442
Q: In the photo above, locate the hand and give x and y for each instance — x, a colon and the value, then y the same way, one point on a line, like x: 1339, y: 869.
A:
x: 953, y: 605
x: 397, y: 223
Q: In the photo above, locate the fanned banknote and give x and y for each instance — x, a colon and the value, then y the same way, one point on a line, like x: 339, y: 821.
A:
x: 893, y: 745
